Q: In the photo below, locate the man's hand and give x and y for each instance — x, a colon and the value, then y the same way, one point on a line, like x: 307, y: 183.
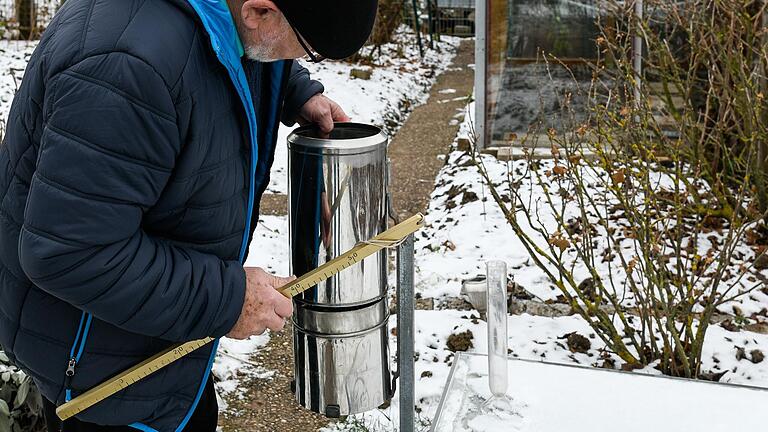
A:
x: 323, y: 112
x: 264, y: 307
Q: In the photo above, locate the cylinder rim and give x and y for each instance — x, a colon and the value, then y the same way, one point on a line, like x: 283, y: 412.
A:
x: 301, y: 137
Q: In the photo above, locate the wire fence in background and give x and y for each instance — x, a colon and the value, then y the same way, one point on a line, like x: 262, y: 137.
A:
x: 453, y: 17
x: 441, y: 17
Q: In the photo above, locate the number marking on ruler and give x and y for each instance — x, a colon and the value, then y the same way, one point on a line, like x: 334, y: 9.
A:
x: 153, y: 364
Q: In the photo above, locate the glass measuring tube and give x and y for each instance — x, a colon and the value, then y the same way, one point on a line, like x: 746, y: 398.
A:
x: 497, y: 327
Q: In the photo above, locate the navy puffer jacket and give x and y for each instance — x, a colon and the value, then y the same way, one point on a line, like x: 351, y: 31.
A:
x: 136, y: 152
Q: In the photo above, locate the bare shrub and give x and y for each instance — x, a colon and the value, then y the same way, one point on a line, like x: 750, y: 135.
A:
x: 653, y: 200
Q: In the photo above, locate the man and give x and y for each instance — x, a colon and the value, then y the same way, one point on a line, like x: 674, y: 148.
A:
x: 137, y: 150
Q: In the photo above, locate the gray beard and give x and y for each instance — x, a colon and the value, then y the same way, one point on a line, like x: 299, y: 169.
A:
x: 261, y: 54
x: 266, y: 50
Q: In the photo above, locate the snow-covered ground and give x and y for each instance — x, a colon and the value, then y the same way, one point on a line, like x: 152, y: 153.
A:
x: 538, y: 338
x: 538, y: 390
x: 464, y: 229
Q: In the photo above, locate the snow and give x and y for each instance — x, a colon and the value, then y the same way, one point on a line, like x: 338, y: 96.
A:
x: 720, y: 354
x: 269, y: 248
x: 454, y: 245
x: 544, y: 399
x: 465, y: 227
x: 233, y: 361
x: 529, y: 337
x: 14, y: 56
x: 543, y: 339
x: 456, y: 242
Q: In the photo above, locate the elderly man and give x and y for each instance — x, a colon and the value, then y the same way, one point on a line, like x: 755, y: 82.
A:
x: 137, y: 150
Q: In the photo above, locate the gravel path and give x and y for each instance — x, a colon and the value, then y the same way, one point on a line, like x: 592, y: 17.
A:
x: 418, y: 150
x: 268, y: 404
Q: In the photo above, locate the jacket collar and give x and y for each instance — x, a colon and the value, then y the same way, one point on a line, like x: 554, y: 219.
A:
x: 215, y: 17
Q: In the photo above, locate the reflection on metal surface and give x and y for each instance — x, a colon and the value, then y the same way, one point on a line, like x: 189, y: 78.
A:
x: 337, y: 189
x: 337, y: 193
x: 343, y: 375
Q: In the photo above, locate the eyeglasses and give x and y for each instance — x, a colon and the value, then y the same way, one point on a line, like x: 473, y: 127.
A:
x: 314, y: 57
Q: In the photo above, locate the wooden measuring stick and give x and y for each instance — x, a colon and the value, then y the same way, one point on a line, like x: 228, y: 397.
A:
x: 360, y: 251
x: 153, y: 364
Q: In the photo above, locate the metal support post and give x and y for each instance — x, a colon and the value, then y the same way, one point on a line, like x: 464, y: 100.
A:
x: 481, y: 64
x: 405, y: 334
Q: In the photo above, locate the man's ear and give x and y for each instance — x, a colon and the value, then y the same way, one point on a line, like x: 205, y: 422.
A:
x: 257, y: 12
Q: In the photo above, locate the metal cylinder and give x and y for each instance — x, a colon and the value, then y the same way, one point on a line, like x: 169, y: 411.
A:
x: 338, y: 198
x: 337, y: 187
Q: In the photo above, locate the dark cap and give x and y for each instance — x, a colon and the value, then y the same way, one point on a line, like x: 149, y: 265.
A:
x: 336, y: 29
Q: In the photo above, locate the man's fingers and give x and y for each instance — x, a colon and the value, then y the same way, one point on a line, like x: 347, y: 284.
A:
x: 338, y: 114
x: 274, y: 322
x: 257, y: 331
x: 264, y: 306
x: 283, y: 306
x: 278, y: 282
x: 325, y: 123
x: 322, y: 111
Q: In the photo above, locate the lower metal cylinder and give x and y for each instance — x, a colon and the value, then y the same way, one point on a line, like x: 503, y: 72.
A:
x: 339, y: 374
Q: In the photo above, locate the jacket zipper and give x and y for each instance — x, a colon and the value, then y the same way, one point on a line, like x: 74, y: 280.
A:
x: 76, y: 352
x: 71, y: 367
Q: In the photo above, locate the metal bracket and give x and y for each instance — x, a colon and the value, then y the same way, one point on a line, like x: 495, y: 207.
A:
x: 405, y: 334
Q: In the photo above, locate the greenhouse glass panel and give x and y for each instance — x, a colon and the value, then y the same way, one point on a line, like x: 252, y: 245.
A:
x: 537, y: 54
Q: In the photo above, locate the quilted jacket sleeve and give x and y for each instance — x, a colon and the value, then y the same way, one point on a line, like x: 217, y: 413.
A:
x: 299, y: 89
x: 108, y: 148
